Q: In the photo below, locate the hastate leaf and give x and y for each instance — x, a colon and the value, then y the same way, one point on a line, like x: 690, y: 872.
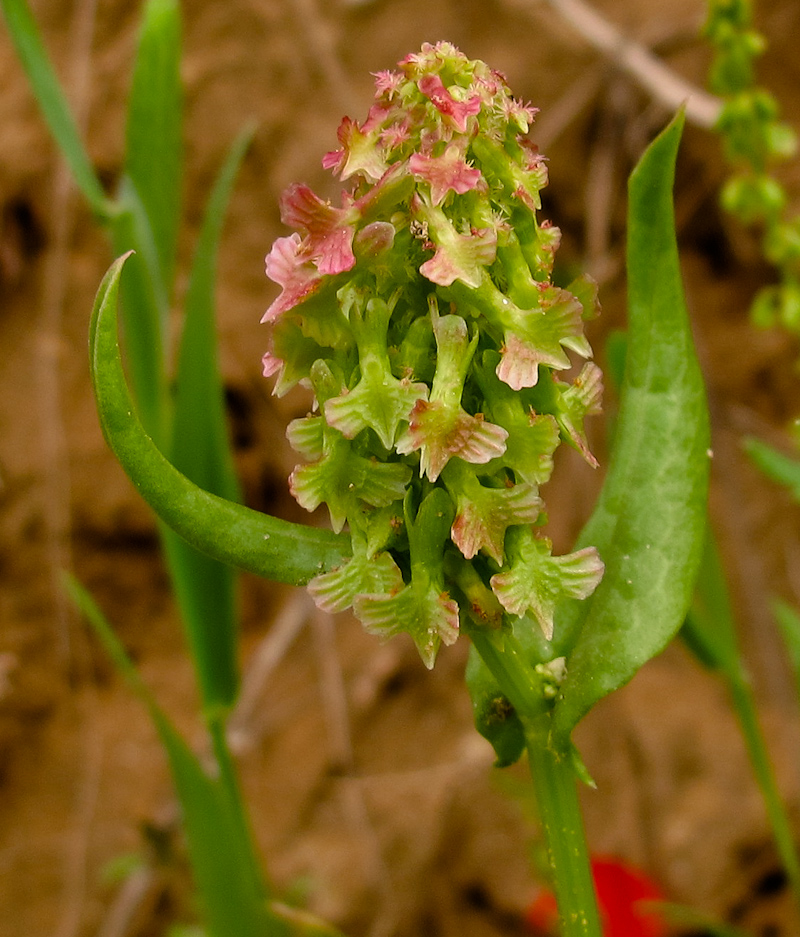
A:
x: 648, y: 526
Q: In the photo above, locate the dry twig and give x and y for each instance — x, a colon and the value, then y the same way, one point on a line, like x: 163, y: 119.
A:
x: 291, y: 620
x: 649, y: 72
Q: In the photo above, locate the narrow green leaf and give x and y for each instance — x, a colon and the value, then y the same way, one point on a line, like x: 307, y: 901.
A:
x: 710, y: 629
x: 51, y: 99
x: 789, y: 623
x: 200, y: 447
x: 144, y: 311
x: 200, y: 450
x: 153, y: 145
x: 233, y: 896
x: 206, y: 595
x: 232, y: 906
x: 775, y: 465
x: 649, y: 521
x: 225, y: 531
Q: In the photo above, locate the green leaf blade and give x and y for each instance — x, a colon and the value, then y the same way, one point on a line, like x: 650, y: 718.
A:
x: 200, y: 450
x: 47, y: 89
x: 775, y: 465
x: 223, y: 530
x: 649, y: 522
x: 200, y: 447
x: 144, y: 309
x: 153, y: 153
x: 206, y: 593
x: 231, y: 887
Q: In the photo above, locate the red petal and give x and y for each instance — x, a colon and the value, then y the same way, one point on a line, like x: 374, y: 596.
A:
x: 623, y: 893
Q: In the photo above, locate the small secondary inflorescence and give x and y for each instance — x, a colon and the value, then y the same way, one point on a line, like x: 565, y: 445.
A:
x: 422, y: 313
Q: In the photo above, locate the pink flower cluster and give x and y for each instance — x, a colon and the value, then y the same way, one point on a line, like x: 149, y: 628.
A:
x: 421, y: 311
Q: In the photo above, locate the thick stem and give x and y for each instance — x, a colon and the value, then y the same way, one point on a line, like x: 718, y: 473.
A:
x: 554, y: 783
x: 559, y: 810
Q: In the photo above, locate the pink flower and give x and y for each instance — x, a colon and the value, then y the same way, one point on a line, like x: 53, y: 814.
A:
x: 445, y: 173
x: 289, y: 266
x: 457, y: 256
x: 519, y: 365
x: 270, y: 364
x: 387, y: 83
x: 330, y: 230
x: 444, y: 102
x: 522, y: 115
x: 577, y: 401
x: 359, y: 153
x: 460, y: 257
x: 484, y: 514
x: 428, y: 615
x: 440, y: 428
x: 539, y: 336
x: 395, y: 135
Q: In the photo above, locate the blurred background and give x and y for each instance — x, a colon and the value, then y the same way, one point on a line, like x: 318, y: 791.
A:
x: 372, y: 797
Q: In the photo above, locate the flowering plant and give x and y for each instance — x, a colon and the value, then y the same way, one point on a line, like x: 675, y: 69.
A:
x: 423, y: 315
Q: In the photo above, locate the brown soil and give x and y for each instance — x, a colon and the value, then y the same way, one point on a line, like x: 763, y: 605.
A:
x: 369, y: 789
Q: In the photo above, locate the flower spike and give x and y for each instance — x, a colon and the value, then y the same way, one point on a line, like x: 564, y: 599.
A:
x: 431, y: 431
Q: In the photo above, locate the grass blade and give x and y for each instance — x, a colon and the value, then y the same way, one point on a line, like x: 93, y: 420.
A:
x: 710, y: 631
x: 225, y: 531
x: 50, y: 97
x: 144, y: 309
x: 200, y: 450
x: 649, y: 521
x: 200, y: 447
x: 775, y: 465
x: 153, y: 144
x: 231, y: 887
x: 789, y: 624
x: 206, y: 595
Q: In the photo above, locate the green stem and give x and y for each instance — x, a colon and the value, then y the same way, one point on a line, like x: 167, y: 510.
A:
x: 557, y: 799
x: 554, y: 783
x: 742, y: 697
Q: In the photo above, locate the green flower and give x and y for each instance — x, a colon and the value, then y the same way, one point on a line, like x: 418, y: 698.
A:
x: 536, y: 581
x: 423, y: 607
x: 439, y: 427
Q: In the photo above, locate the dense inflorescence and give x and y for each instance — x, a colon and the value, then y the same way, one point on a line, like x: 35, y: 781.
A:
x: 423, y: 315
